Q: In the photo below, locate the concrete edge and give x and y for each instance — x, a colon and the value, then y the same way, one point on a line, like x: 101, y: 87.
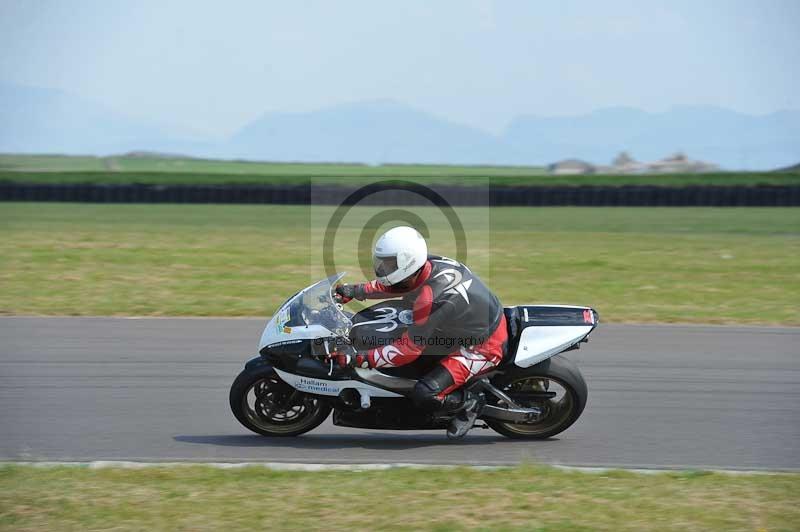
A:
x: 297, y: 466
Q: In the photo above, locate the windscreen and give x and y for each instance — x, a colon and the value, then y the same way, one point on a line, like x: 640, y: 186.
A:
x: 317, y: 307
x: 310, y: 313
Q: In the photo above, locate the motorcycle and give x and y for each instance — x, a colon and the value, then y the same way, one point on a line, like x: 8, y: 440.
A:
x: 294, y: 384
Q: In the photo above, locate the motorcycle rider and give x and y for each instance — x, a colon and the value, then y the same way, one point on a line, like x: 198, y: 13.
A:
x: 451, y: 307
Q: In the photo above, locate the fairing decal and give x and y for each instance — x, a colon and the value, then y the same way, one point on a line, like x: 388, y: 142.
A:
x: 330, y: 387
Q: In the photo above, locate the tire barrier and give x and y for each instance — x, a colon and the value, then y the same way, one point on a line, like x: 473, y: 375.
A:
x: 588, y: 196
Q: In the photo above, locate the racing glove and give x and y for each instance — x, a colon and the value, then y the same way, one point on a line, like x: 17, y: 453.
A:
x: 355, y: 360
x: 347, y: 292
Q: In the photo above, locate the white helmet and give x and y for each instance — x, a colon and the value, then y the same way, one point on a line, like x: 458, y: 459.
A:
x: 399, y: 253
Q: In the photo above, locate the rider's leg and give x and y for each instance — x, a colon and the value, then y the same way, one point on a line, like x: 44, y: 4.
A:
x: 429, y: 390
x: 442, y: 388
x: 434, y: 390
x: 466, y: 365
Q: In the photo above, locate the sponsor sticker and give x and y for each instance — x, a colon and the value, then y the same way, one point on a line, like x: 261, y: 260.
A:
x: 283, y: 317
x: 316, y: 386
x: 286, y: 342
x: 406, y: 317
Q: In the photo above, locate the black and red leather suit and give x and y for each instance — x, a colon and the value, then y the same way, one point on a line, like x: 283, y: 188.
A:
x: 452, y: 308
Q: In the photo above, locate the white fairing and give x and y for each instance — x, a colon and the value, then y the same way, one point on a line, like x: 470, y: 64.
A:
x: 541, y: 342
x: 274, y: 334
x: 326, y: 387
x: 312, y: 313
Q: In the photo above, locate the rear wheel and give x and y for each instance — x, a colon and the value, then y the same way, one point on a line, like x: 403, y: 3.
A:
x: 556, y: 386
x: 265, y: 404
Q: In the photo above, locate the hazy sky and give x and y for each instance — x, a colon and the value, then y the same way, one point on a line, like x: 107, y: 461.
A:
x: 212, y: 67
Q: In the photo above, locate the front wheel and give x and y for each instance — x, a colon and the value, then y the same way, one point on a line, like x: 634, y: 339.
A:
x: 554, y: 385
x: 265, y: 404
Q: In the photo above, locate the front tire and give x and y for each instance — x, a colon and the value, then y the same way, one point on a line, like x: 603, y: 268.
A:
x: 555, y: 385
x: 265, y: 404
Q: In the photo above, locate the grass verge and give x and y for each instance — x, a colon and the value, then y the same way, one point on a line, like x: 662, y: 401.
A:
x: 367, y: 175
x: 698, y: 265
x: 166, y: 170
x: 520, y: 498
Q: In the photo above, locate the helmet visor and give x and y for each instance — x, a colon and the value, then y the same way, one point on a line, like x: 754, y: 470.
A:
x: 384, y: 266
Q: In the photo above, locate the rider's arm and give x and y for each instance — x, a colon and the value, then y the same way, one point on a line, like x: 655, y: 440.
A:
x: 370, y: 290
x: 376, y: 290
x: 428, y: 317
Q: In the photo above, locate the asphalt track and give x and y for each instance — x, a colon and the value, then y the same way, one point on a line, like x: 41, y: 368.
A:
x: 83, y: 389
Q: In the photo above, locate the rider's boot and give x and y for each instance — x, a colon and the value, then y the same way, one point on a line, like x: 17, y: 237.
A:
x: 466, y: 405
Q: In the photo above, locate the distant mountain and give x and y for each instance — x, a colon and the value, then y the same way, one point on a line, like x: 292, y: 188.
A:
x: 35, y: 120
x: 793, y: 168
x: 48, y: 120
x: 729, y: 139
x: 375, y: 132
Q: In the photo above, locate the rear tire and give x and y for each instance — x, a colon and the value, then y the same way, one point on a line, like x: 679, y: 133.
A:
x: 265, y: 404
x: 560, y: 411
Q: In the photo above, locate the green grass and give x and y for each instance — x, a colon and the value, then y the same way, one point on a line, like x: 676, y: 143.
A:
x: 153, y: 170
x: 521, y: 498
x: 51, y: 163
x: 346, y: 177
x: 696, y: 265
x: 158, y: 169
